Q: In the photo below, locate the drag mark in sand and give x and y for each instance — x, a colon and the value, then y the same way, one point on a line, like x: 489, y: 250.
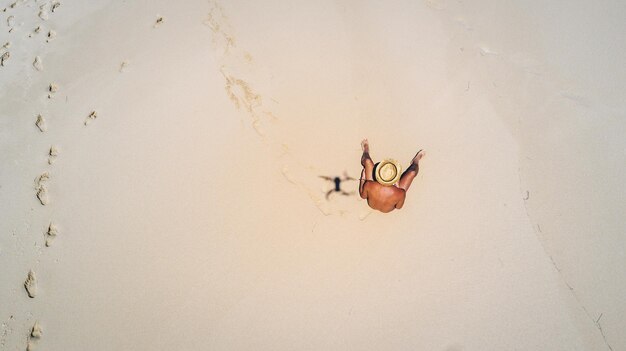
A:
x: 215, y: 21
x: 596, y: 322
x: 287, y: 175
x: 244, y: 96
x: 240, y: 92
x: 317, y: 200
x: 31, y: 284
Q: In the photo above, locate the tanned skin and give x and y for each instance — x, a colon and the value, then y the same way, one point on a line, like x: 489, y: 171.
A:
x: 381, y: 197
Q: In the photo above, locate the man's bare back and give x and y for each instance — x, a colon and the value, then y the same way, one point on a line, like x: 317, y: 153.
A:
x: 381, y: 197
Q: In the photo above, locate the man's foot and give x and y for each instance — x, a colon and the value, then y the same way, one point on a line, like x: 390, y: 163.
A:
x: 365, y: 145
x: 418, y: 157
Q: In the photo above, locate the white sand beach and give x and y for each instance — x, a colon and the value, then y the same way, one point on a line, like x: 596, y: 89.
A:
x: 160, y: 167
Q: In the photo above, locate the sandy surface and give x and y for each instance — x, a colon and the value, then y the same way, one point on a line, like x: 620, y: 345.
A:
x: 169, y: 197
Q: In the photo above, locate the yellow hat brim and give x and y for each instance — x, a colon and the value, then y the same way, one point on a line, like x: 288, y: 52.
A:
x: 388, y: 172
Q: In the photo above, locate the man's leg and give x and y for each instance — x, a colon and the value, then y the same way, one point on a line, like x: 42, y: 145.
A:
x: 411, y: 172
x: 366, y: 161
x: 368, y: 167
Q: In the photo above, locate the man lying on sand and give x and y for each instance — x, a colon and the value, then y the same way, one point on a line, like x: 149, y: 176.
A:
x: 381, y: 183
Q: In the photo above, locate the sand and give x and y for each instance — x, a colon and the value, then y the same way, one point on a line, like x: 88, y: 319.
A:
x: 160, y: 175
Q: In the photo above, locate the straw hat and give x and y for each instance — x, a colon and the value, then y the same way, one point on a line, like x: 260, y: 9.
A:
x: 387, y: 172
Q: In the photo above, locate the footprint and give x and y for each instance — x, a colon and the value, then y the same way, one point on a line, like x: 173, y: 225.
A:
x: 92, y: 116
x: 38, y: 64
x: 463, y: 22
x: 31, y: 284
x: 123, y: 66
x: 51, y: 234
x: 435, y: 4
x: 43, y: 14
x: 11, y: 21
x: 30, y: 346
x: 52, y: 154
x: 36, y: 330
x: 43, y: 177
x: 51, y: 35
x: 52, y: 88
x: 4, y: 57
x: 41, y: 123
x: 6, y: 45
x: 35, y: 32
x: 42, y: 195
x: 55, y: 5
x: 484, y: 51
x: 159, y: 21
x: 42, y: 190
